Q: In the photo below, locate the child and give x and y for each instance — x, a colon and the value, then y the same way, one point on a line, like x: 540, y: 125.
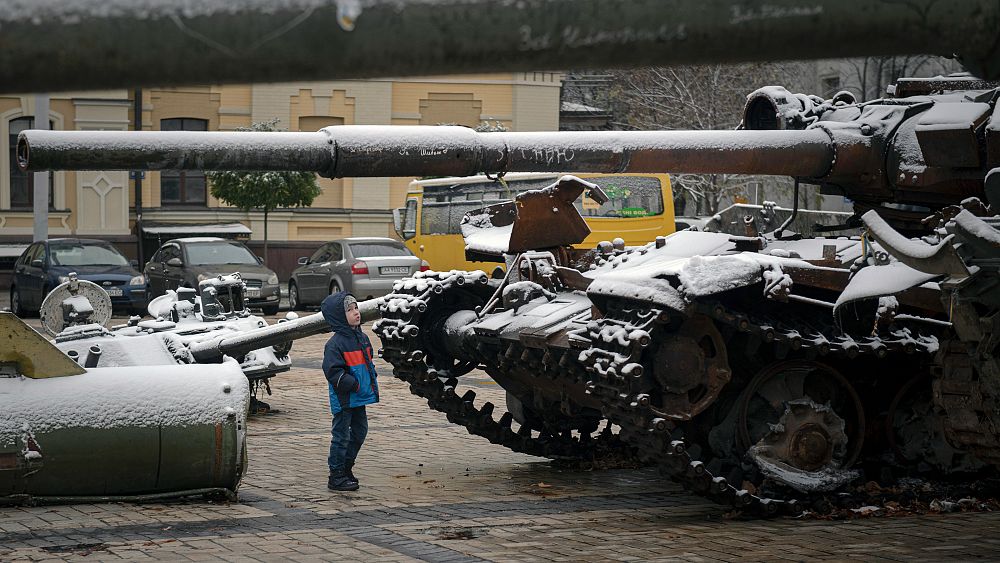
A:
x: 350, y: 372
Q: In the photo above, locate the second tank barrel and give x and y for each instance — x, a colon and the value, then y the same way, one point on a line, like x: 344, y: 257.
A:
x: 213, y: 350
x: 372, y: 151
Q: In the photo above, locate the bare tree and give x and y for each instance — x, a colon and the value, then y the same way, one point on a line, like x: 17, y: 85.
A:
x: 702, y: 98
x: 868, y: 77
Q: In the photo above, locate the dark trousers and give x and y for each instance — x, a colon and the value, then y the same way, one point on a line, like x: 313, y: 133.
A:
x: 350, y: 426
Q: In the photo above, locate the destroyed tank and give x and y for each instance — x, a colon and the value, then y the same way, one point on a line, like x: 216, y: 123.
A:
x: 761, y: 369
x: 74, y: 431
x: 188, y: 326
x: 149, y: 410
x: 76, y: 313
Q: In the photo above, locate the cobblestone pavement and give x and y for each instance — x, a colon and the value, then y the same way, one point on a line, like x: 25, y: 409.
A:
x: 431, y: 492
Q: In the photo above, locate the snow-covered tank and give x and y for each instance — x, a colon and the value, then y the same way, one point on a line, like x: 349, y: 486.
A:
x: 207, y: 326
x: 760, y: 368
x: 70, y: 432
x: 76, y: 313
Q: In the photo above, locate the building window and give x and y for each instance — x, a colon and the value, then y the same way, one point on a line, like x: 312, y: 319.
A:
x: 183, y: 187
x: 22, y: 191
x: 452, y: 108
x: 830, y: 85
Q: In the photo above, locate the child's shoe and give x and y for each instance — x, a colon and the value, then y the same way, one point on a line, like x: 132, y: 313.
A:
x: 341, y: 482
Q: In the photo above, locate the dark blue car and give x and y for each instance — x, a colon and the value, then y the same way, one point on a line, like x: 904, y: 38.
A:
x: 46, y: 264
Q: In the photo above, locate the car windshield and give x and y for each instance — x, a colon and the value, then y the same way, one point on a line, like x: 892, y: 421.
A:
x: 85, y: 255
x: 373, y: 249
x: 210, y: 253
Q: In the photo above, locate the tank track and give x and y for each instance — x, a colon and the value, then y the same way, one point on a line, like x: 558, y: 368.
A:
x: 609, y: 352
x: 404, y: 348
x: 616, y: 362
x: 965, y: 386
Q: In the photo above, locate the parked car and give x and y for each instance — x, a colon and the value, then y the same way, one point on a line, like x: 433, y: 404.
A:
x: 365, y: 266
x: 46, y: 264
x: 186, y: 262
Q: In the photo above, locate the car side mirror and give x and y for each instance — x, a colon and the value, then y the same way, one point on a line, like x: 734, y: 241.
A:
x: 134, y: 264
x: 260, y: 260
x: 175, y: 262
x: 397, y: 220
x: 36, y: 263
x: 303, y: 260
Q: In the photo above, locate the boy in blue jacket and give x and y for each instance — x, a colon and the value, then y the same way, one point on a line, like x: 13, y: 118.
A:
x: 350, y: 372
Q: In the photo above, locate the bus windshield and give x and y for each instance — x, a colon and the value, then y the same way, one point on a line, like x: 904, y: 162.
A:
x: 637, y: 211
x: 445, y: 205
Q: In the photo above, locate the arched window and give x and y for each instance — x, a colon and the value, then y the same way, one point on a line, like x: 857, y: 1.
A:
x: 183, y: 187
x: 22, y: 191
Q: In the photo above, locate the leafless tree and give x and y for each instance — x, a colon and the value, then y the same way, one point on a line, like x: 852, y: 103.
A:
x: 868, y: 77
x: 702, y: 98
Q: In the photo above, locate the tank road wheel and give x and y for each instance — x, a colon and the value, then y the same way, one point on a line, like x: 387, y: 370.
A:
x: 802, y: 424
x: 915, y: 431
x: 691, y: 369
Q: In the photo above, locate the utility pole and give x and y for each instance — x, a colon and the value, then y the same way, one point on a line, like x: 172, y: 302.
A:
x: 137, y: 175
x: 40, y: 180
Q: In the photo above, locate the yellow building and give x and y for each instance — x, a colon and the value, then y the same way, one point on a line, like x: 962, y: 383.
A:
x: 102, y: 204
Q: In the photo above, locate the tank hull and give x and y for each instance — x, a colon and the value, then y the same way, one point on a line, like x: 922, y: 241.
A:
x: 686, y: 353
x: 116, y: 434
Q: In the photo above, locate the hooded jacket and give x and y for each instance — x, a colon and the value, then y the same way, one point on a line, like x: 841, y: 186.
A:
x: 347, y: 356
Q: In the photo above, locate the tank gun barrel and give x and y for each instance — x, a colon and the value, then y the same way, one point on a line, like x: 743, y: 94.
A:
x: 243, y: 41
x: 366, y: 151
x: 280, y: 333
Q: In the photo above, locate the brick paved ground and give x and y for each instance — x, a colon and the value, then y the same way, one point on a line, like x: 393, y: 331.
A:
x: 432, y: 492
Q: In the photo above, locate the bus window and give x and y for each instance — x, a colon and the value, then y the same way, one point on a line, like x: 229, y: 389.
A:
x: 434, y: 218
x: 630, y: 196
x: 410, y: 219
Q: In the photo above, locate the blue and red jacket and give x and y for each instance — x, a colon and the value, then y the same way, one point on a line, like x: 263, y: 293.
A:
x: 347, y: 352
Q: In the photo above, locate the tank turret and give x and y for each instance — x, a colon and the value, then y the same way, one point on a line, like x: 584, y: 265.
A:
x: 188, y: 327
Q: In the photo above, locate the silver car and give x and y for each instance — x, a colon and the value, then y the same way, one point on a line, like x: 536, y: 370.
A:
x: 365, y: 266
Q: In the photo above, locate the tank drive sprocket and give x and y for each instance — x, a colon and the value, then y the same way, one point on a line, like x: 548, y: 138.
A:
x: 412, y: 330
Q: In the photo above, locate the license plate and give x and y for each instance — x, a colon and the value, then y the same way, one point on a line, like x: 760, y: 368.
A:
x: 253, y: 292
x: 114, y: 291
x: 394, y: 270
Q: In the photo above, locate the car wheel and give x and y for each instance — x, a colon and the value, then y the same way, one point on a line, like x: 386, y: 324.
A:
x: 15, y: 302
x: 270, y: 309
x: 293, y: 298
x: 334, y: 287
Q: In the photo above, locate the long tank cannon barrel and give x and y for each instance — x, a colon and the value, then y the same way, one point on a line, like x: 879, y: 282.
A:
x: 923, y: 147
x: 276, y: 334
x: 363, y: 151
x: 133, y: 44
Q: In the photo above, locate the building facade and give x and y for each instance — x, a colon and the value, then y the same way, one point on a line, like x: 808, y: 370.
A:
x: 102, y: 204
